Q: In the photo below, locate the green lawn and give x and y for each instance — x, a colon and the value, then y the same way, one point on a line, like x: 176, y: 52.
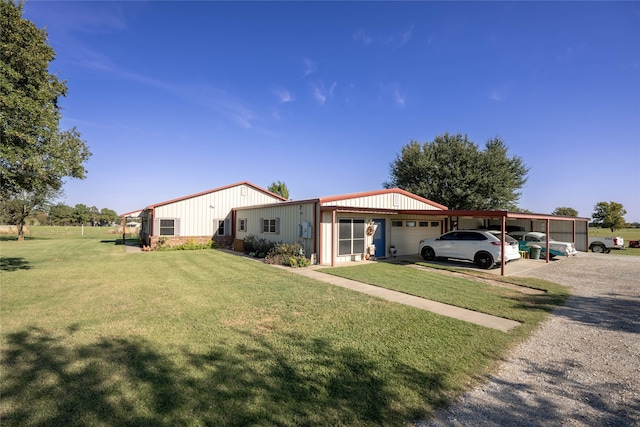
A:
x: 626, y: 233
x: 92, y: 335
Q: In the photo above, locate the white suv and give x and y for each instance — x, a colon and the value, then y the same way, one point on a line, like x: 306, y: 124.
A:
x: 483, y: 247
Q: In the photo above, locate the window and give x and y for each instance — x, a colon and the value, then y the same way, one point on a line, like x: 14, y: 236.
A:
x: 350, y: 236
x: 411, y: 223
x: 435, y: 224
x: 396, y: 223
x: 242, y: 224
x: 270, y: 225
x: 424, y: 223
x: 167, y: 227
x: 221, y: 227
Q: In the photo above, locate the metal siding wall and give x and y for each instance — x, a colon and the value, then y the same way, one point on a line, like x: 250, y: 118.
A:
x: 196, y: 215
x: 325, y: 235
x: 383, y: 201
x: 289, y: 216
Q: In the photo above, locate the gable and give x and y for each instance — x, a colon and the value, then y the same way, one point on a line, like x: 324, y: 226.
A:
x: 393, y: 199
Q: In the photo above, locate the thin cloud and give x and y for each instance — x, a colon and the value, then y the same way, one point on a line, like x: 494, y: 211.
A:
x: 362, y: 36
x: 399, y: 98
x: 320, y: 93
x: 394, y: 92
x: 284, y: 96
x: 310, y: 67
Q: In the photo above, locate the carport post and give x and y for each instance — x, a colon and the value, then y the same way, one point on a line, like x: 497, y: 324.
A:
x: 503, y: 241
x: 124, y: 232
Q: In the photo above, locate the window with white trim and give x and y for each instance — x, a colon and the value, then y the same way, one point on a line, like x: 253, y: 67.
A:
x: 411, y: 223
x: 396, y: 223
x: 166, y: 226
x: 222, y: 227
x: 270, y: 225
x: 242, y: 224
x: 351, y: 238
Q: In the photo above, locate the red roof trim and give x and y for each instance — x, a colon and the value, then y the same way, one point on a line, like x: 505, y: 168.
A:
x: 379, y: 192
x: 202, y: 193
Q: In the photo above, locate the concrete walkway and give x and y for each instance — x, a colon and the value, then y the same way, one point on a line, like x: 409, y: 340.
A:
x: 486, y: 320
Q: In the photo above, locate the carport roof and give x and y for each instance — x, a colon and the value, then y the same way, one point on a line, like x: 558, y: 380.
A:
x: 497, y: 214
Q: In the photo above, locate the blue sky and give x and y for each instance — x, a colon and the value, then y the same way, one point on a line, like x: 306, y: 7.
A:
x: 175, y: 98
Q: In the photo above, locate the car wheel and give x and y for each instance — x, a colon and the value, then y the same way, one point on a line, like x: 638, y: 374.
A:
x: 428, y: 253
x: 483, y: 260
x: 599, y: 249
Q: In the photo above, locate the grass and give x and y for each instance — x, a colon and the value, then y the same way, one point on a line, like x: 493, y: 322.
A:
x: 626, y: 233
x: 92, y: 335
x: 464, y: 291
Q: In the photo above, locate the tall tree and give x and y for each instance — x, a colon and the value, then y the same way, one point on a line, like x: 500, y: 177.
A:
x: 565, y: 211
x: 279, y: 188
x: 609, y: 215
x: 452, y: 171
x: 35, y: 155
x: 81, y: 214
x: 17, y: 208
x: 61, y: 214
x: 108, y: 216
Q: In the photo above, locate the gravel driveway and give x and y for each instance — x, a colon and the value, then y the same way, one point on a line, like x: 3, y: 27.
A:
x: 581, y: 367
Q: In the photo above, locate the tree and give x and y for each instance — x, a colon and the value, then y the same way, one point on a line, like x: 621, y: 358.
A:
x: 81, y: 214
x: 564, y: 211
x: 279, y: 188
x: 61, y: 214
x: 609, y: 215
x: 35, y: 155
x: 17, y: 208
x: 452, y: 171
x: 108, y: 216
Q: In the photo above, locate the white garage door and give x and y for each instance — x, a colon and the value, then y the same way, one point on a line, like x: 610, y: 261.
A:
x: 405, y: 235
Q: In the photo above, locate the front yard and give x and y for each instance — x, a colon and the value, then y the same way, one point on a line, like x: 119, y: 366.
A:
x: 94, y: 336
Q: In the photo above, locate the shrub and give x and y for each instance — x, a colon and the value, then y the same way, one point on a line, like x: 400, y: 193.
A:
x: 256, y: 246
x: 191, y: 245
x: 291, y: 255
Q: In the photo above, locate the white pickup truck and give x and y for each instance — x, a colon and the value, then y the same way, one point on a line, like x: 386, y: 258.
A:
x: 605, y: 244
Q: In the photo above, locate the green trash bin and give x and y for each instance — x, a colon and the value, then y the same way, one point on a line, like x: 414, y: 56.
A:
x: 534, y: 251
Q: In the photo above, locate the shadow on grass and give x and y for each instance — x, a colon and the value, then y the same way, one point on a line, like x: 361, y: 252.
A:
x: 13, y: 264
x: 115, y: 381
x: 132, y: 241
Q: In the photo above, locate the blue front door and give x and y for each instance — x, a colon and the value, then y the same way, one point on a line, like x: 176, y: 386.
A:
x: 379, y: 237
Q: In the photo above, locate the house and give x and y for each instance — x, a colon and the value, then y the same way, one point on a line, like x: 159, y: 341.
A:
x: 331, y: 230
x: 347, y: 227
x: 201, y: 216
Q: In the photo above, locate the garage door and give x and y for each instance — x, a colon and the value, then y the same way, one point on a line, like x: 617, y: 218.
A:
x: 405, y: 235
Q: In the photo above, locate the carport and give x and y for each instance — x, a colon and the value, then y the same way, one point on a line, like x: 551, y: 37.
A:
x: 562, y: 228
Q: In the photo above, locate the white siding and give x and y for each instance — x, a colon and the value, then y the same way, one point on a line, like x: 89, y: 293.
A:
x: 197, y: 214
x: 291, y: 216
x: 395, y: 201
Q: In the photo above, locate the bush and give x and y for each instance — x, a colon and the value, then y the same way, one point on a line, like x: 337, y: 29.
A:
x: 256, y: 246
x: 291, y: 255
x: 191, y: 245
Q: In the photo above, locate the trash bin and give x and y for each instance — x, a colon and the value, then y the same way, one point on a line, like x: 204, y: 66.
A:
x: 534, y: 251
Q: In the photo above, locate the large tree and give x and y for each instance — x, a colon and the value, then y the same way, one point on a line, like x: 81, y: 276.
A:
x: 279, y: 188
x: 565, y: 211
x: 35, y: 155
x: 609, y: 215
x: 453, y: 171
